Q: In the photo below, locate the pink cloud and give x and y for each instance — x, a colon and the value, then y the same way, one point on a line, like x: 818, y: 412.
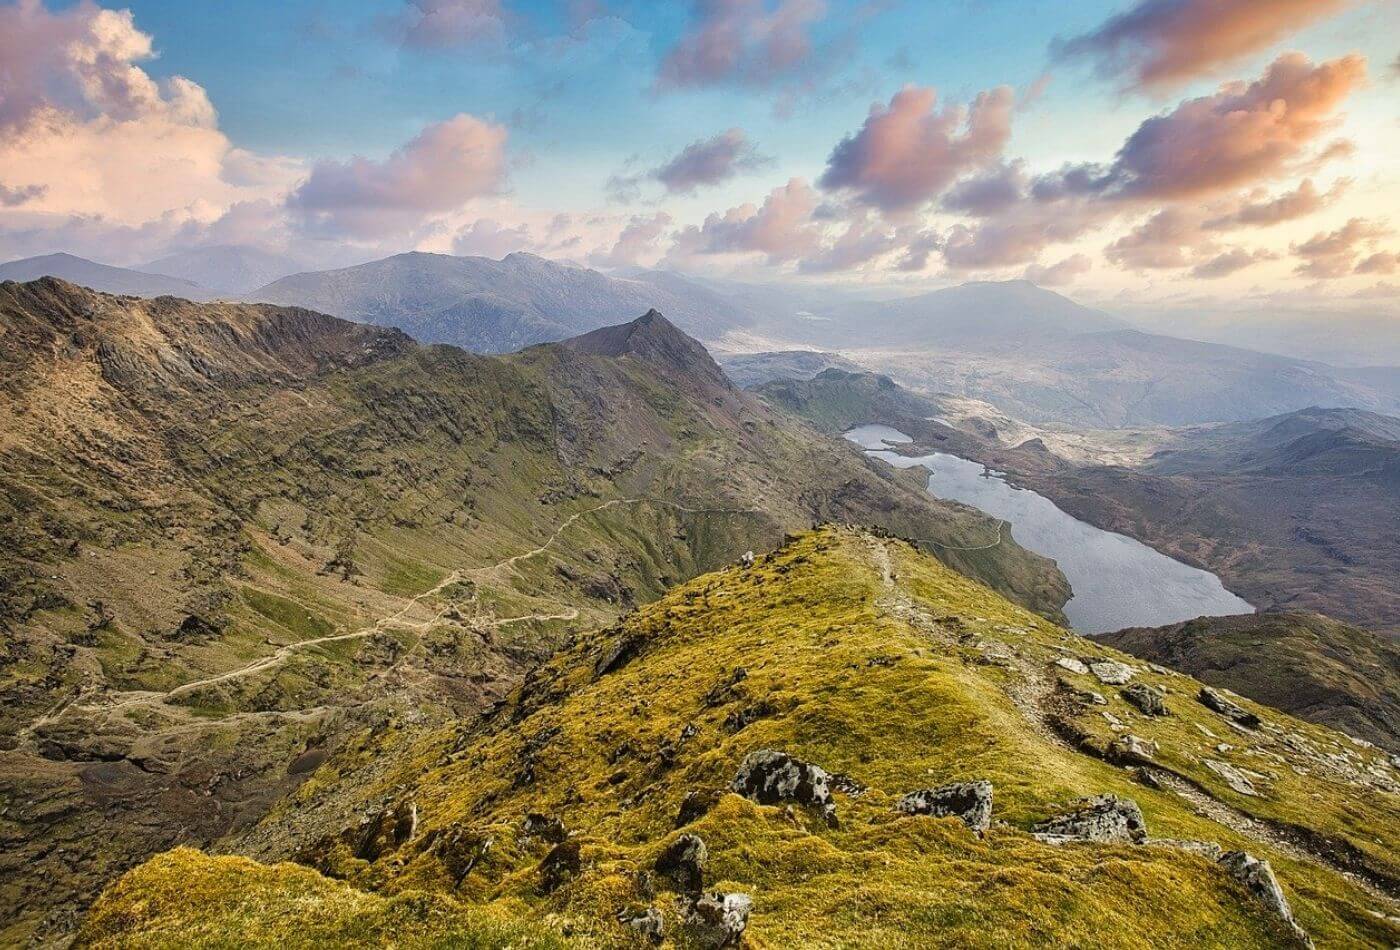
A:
x: 709, y: 162
x: 640, y: 239
x: 782, y: 228
x: 446, y: 24
x: 1333, y: 254
x: 1382, y: 262
x: 1263, y: 212
x: 908, y: 152
x: 443, y: 167
x: 749, y: 42
x: 1158, y: 44
x: 487, y: 237
x: 1229, y: 262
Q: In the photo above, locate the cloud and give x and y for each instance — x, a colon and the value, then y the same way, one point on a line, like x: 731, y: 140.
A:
x: 861, y: 242
x: 14, y: 197
x: 1170, y: 238
x: 640, y: 239
x: 745, y: 42
x: 1382, y: 262
x: 1242, y: 134
x: 709, y: 162
x: 1064, y: 272
x: 1263, y: 212
x: 908, y: 152
x: 1330, y: 255
x: 487, y: 237
x: 443, y: 167
x: 988, y: 194
x: 447, y: 24
x: 1160, y: 44
x: 782, y: 228
x: 1228, y: 262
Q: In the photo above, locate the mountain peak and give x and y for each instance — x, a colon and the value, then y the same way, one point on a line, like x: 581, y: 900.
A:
x: 656, y: 341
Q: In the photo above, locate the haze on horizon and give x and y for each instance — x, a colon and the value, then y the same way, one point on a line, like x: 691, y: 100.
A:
x: 1172, y: 160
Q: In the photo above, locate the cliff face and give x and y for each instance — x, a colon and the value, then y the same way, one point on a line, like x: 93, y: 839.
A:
x: 843, y: 743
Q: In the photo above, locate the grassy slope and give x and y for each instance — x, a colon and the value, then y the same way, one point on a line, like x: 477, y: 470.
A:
x: 875, y: 661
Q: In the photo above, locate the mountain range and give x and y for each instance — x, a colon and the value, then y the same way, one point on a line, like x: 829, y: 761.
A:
x: 239, y: 535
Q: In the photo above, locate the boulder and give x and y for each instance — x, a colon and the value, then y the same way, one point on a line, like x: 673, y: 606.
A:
x: 970, y: 801
x: 1233, y: 777
x: 1132, y: 750
x: 1105, y: 818
x: 770, y: 777
x: 1148, y: 699
x: 683, y: 863
x: 719, y: 920
x: 1071, y: 664
x: 1111, y: 672
x: 1216, y: 702
x: 1258, y: 878
x: 648, y: 924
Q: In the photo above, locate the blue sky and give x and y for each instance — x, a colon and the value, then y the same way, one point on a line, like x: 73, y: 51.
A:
x: 579, y: 93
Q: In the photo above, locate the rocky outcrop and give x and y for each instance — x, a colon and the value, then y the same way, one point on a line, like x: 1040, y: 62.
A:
x: 1258, y: 878
x: 649, y: 924
x: 1111, y: 672
x: 1217, y: 702
x: 1104, y: 818
x: 969, y: 801
x: 683, y: 863
x: 719, y: 920
x: 1148, y: 699
x: 770, y: 777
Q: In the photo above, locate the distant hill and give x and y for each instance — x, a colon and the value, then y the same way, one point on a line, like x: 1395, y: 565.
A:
x: 1304, y: 663
x: 112, y: 280
x: 492, y: 306
x: 754, y: 369
x: 225, y: 268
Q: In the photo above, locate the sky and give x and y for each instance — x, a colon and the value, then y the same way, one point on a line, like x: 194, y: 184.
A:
x: 1148, y: 152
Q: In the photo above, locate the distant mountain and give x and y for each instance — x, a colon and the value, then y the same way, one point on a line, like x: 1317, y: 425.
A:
x: 112, y: 280
x: 753, y: 369
x: 1312, y: 441
x: 493, y: 306
x: 1303, y: 663
x: 226, y: 268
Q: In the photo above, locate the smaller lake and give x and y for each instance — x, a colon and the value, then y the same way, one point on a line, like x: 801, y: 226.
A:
x: 1118, y: 582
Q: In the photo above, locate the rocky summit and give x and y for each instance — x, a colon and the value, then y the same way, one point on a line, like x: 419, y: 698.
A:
x: 620, y: 805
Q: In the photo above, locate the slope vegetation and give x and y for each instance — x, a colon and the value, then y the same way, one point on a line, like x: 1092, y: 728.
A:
x: 618, y: 792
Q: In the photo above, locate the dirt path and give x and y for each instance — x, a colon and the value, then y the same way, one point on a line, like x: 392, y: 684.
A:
x: 146, y: 698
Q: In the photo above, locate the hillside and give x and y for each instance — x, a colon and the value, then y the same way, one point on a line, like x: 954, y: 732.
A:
x: 625, y: 790
x: 238, y: 534
x: 1306, y: 664
x: 491, y: 306
x: 754, y: 369
x: 112, y: 280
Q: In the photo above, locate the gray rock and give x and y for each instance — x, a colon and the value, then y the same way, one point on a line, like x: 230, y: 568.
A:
x: 770, y: 777
x: 696, y: 805
x: 970, y: 801
x: 719, y: 920
x: 1258, y: 878
x: 683, y: 863
x: 547, y: 827
x: 1233, y: 777
x: 1215, y: 701
x: 1132, y: 750
x: 1071, y: 664
x: 1111, y: 672
x: 1146, y: 698
x: 649, y: 924
x: 1106, y: 818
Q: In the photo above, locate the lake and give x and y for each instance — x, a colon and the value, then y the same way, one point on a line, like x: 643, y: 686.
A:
x: 1117, y: 581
